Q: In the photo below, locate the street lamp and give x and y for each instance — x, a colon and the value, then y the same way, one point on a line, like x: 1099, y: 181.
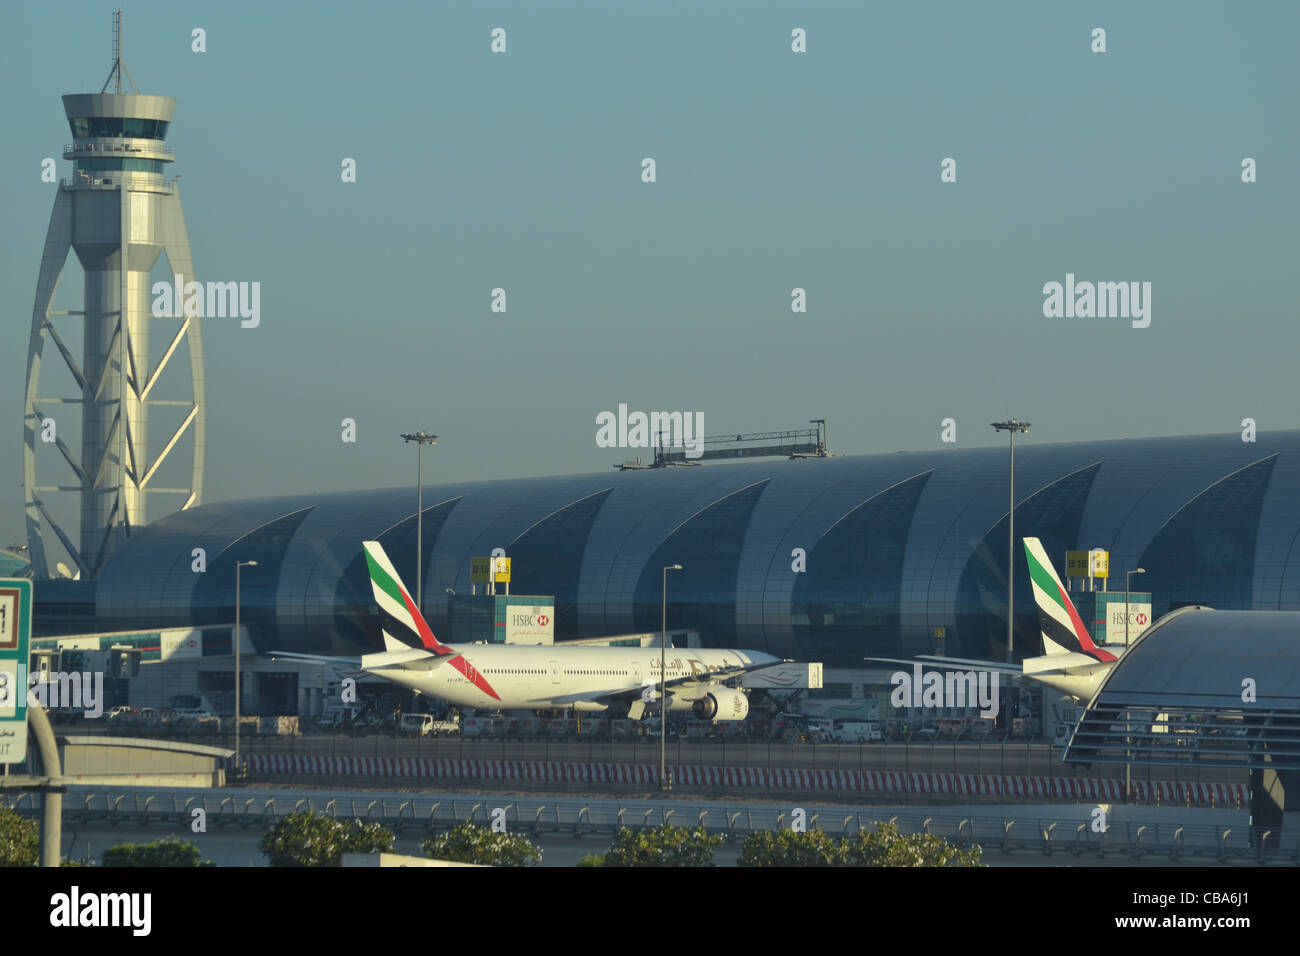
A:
x: 663, y: 682
x: 421, y: 439
x: 238, y: 566
x: 1012, y: 426
x: 1128, y: 576
x: 1128, y: 754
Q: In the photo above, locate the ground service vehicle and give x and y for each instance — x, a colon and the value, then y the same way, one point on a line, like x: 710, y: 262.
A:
x: 858, y: 731
x: 426, y: 725
x: 792, y: 728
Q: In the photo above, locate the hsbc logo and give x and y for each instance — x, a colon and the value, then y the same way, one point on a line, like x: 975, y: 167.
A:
x: 1135, y: 617
x: 529, y: 624
x: 532, y: 619
x: 1119, y: 629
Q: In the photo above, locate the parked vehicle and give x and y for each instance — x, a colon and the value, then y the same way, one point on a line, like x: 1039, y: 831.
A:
x: 190, y: 705
x: 792, y: 728
x: 858, y: 731
x: 951, y: 727
x: 426, y: 725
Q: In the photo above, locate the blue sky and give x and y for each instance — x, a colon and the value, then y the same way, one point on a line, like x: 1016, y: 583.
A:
x: 775, y: 170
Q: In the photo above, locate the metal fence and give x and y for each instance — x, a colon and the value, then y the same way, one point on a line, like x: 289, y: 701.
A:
x: 962, y: 771
x: 1064, y: 836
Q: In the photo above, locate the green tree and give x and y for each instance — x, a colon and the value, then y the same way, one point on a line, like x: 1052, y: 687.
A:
x: 314, y: 839
x: 789, y: 848
x: 165, y: 852
x: 20, y: 840
x: 469, y: 843
x: 662, y: 846
x: 886, y: 846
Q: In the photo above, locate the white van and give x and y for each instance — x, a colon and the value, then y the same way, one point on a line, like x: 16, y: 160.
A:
x: 858, y: 731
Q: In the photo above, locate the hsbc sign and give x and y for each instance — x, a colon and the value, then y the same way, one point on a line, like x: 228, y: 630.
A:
x: 180, y: 643
x: 527, y: 624
x: 1139, y: 619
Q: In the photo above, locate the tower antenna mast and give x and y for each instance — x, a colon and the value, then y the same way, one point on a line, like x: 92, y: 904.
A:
x: 118, y: 66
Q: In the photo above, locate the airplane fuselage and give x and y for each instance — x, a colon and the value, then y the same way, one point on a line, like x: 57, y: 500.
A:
x: 537, y: 677
x: 1078, y: 675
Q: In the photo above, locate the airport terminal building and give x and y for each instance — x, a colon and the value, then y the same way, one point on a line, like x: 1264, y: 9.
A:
x: 826, y: 560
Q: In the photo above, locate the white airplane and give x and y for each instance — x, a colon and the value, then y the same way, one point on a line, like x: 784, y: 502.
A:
x: 1071, y: 662
x: 543, y: 677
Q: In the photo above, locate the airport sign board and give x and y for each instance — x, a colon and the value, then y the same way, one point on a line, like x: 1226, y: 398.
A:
x: 1087, y: 564
x: 1099, y: 563
x: 527, y: 624
x: 480, y: 570
x: 15, y: 638
x: 1076, y: 564
x: 1139, y: 619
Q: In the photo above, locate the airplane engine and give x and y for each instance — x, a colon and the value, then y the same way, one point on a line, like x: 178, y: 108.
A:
x: 723, y: 703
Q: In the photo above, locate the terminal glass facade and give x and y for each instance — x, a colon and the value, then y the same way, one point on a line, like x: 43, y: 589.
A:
x: 833, y: 559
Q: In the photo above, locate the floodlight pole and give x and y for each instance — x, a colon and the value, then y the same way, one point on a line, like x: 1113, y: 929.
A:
x: 1128, y: 577
x: 1012, y: 426
x: 1128, y: 754
x: 663, y: 682
x: 421, y: 439
x: 238, y: 692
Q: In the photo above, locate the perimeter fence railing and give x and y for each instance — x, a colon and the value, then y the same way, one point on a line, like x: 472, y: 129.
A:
x: 1064, y: 835
x: 961, y: 770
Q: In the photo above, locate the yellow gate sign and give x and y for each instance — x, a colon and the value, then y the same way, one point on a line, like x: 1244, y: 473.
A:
x: 1100, y: 563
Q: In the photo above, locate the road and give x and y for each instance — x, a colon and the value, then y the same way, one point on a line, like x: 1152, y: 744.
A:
x: 587, y: 764
x: 966, y: 757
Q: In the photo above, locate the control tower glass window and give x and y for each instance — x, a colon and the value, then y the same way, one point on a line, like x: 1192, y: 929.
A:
x: 120, y: 126
x: 99, y: 165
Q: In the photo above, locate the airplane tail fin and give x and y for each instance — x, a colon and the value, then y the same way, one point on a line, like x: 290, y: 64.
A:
x: 1063, y: 629
x: 401, y: 621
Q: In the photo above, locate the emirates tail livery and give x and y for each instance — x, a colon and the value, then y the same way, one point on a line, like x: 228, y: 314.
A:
x: 544, y: 677
x: 1070, y: 662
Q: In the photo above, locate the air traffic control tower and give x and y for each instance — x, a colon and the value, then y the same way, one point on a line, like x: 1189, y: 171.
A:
x: 118, y: 212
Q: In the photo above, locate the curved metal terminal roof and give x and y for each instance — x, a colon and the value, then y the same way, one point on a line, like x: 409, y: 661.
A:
x: 828, y: 560
x: 1201, y: 687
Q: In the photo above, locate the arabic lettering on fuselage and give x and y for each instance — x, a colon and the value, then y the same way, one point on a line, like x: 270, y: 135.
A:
x: 696, y: 666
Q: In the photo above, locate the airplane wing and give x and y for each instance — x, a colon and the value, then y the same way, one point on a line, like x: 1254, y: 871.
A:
x: 702, y: 677
x: 999, y: 667
x: 408, y: 658
x: 353, y: 662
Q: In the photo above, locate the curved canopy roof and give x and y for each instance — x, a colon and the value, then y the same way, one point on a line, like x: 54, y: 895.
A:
x: 1202, y: 687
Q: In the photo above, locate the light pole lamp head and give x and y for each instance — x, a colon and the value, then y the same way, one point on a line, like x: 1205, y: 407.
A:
x: 673, y: 567
x: 422, y: 437
x: 245, y: 564
x: 1014, y: 425
x: 1139, y: 570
